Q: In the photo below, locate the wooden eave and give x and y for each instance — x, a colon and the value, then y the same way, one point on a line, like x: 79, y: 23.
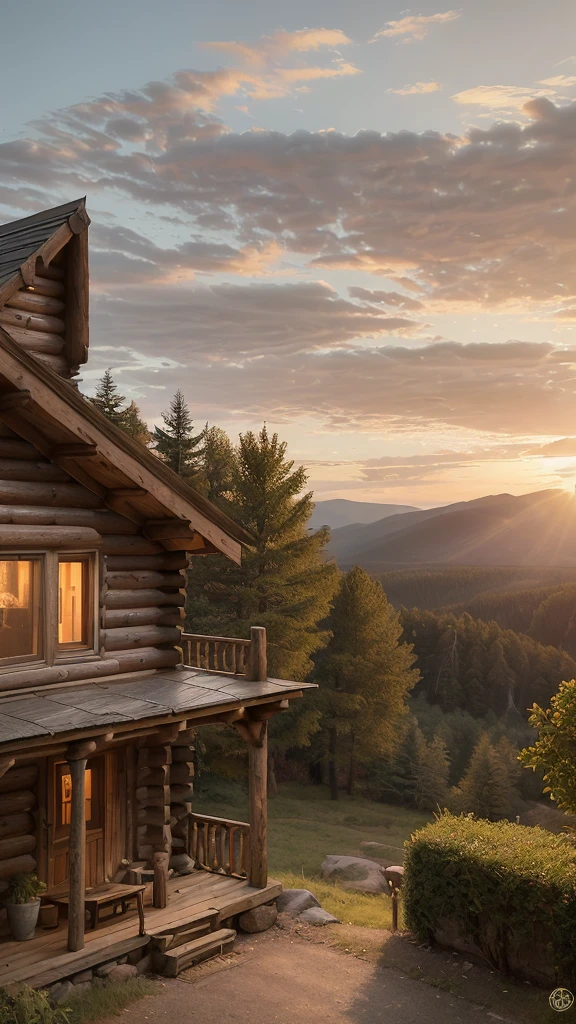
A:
x: 41, y: 237
x: 50, y: 413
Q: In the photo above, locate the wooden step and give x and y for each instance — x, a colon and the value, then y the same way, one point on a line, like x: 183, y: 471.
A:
x: 192, y: 928
x: 214, y: 944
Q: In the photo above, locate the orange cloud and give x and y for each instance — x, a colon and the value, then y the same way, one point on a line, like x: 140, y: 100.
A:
x: 414, y: 28
x: 418, y: 89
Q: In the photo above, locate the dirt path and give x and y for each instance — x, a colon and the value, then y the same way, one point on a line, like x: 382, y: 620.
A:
x: 279, y: 978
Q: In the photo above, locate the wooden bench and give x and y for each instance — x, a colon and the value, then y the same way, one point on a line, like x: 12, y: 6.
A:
x: 106, y: 895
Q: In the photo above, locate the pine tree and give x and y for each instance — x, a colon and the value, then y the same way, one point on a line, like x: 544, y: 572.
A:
x: 111, y: 403
x: 488, y: 788
x: 432, y: 776
x: 284, y: 582
x: 108, y: 399
x: 134, y: 425
x: 365, y: 673
x: 176, y: 443
x: 395, y: 778
x: 218, y: 464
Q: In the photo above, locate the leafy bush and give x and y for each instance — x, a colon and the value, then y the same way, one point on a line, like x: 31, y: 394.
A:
x: 29, y: 1007
x: 25, y: 887
x: 516, y: 883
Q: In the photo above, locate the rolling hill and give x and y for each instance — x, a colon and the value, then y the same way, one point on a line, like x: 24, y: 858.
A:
x: 536, y: 529
x: 339, y: 512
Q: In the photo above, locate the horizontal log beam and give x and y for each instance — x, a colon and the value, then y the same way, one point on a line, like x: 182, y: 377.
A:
x: 125, y: 599
x: 145, y: 658
x: 31, y: 301
x: 100, y: 519
x: 128, y: 637
x: 22, y: 777
x: 28, y: 677
x: 15, y: 448
x: 132, y: 545
x: 146, y: 579
x: 16, y: 866
x: 166, y: 562
x: 40, y: 470
x: 71, y: 538
x: 31, y: 321
x: 38, y: 341
x: 27, y: 492
x: 143, y: 617
x: 16, y: 824
x: 74, y: 451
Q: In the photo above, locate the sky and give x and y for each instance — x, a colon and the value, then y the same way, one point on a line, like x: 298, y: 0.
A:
x: 355, y: 222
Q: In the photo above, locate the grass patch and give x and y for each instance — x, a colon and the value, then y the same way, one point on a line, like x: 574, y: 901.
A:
x: 108, y: 1000
x: 355, y: 908
x: 304, y: 825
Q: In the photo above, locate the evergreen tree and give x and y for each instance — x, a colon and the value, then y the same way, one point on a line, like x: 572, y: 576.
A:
x: 394, y: 779
x: 218, y: 464
x: 176, y: 443
x: 134, y: 425
x: 432, y: 775
x: 108, y: 399
x: 488, y: 788
x: 284, y: 582
x: 364, y: 673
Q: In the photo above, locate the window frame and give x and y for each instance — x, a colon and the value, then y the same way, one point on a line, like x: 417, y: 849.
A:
x: 51, y: 652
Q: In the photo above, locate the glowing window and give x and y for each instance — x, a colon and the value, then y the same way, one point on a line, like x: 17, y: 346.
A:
x: 73, y: 603
x: 20, y: 633
x: 66, y: 797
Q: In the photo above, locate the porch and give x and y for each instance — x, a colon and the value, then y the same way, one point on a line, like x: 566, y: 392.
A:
x: 45, y: 959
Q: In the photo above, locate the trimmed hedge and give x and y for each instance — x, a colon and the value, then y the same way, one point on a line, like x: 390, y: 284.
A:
x: 508, y: 888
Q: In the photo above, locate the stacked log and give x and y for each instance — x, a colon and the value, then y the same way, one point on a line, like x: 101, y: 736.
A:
x: 181, y: 790
x: 35, y: 317
x: 17, y: 829
x: 143, y: 606
x: 153, y: 802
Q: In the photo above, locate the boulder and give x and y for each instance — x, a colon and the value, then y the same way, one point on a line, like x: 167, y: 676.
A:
x: 317, y: 916
x: 81, y: 977
x: 83, y: 986
x: 355, y: 873
x: 182, y: 864
x: 61, y: 992
x: 123, y: 972
x: 144, y: 966
x: 294, y: 901
x: 259, y: 919
x: 104, y: 970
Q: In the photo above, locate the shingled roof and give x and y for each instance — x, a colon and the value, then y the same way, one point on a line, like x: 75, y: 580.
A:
x: 21, y: 239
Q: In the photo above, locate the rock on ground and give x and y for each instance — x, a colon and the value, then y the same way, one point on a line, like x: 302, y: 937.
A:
x: 258, y: 919
x: 317, y: 916
x: 294, y: 901
x: 123, y: 972
x: 355, y: 873
x: 60, y: 992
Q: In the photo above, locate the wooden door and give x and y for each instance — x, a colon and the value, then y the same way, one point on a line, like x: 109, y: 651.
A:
x: 60, y: 806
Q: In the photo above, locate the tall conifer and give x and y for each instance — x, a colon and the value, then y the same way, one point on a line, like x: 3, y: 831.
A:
x: 176, y: 443
x: 364, y: 673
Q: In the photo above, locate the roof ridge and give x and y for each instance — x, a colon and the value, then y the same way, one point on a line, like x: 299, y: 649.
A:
x: 53, y: 213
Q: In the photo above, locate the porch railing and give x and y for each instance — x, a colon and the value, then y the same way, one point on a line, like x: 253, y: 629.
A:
x: 227, y: 655
x: 224, y: 654
x: 218, y: 845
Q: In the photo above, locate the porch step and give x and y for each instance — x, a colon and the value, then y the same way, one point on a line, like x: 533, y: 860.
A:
x: 195, y: 926
x: 190, y: 953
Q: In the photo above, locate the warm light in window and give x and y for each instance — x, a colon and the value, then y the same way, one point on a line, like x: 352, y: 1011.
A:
x: 19, y: 608
x: 71, y: 612
x: 66, y: 798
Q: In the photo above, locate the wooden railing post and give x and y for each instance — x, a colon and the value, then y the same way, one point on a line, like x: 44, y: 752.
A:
x: 77, y: 755
x: 258, y: 662
x: 258, y: 801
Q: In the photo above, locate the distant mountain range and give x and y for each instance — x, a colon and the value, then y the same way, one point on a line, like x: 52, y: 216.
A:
x: 339, y: 512
x: 537, y: 529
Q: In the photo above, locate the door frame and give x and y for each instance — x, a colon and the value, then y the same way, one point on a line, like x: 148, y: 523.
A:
x: 52, y: 806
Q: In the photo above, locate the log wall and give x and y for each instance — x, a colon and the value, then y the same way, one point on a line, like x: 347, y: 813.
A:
x: 141, y: 597
x: 36, y: 318
x: 163, y: 797
x: 17, y: 822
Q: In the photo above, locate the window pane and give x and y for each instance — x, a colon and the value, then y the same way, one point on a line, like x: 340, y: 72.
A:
x: 71, y: 606
x: 66, y: 798
x: 19, y: 608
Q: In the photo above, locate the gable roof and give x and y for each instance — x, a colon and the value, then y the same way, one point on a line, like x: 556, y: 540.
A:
x: 21, y: 239
x: 50, y: 413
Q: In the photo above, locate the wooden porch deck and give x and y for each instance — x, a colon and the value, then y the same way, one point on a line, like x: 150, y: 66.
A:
x: 45, y: 959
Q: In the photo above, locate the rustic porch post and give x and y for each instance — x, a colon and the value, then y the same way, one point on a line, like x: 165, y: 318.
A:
x: 77, y: 755
x: 258, y: 801
x: 257, y: 657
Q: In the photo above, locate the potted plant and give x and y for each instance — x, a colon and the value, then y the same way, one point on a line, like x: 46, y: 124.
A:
x: 23, y: 905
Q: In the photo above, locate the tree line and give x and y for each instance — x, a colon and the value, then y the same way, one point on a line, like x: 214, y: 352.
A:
x: 340, y: 631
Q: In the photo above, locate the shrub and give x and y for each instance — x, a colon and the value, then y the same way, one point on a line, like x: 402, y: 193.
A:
x: 29, y: 1007
x: 25, y: 887
x: 508, y: 887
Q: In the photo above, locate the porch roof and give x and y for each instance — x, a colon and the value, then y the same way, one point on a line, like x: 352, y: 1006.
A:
x: 166, y: 695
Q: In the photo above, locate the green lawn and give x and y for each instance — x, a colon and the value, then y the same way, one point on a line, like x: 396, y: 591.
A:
x: 304, y: 825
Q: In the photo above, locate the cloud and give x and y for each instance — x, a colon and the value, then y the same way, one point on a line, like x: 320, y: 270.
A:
x: 389, y: 298
x: 560, y: 81
x: 418, y: 89
x: 500, y: 97
x: 414, y: 28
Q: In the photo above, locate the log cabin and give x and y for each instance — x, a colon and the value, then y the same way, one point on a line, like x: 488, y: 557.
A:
x: 100, y: 688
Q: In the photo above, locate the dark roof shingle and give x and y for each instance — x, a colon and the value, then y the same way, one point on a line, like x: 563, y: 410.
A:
x: 21, y: 238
